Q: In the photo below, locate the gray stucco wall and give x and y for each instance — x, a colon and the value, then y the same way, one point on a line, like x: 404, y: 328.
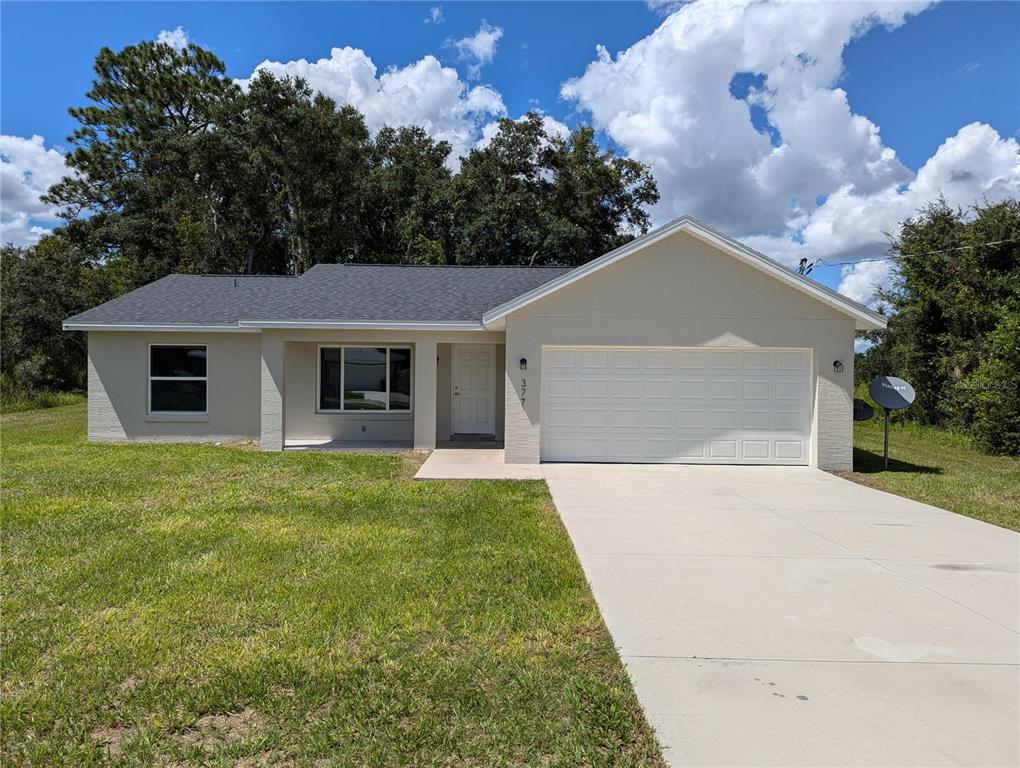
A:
x: 305, y: 423
x: 681, y: 292
x: 118, y: 388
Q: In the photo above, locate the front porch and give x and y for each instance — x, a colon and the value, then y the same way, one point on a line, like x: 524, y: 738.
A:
x: 335, y: 390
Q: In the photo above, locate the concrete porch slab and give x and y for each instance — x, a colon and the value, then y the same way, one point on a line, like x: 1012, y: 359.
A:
x: 474, y: 464
x: 350, y: 446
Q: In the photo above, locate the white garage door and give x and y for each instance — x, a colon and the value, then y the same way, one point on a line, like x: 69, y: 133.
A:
x: 718, y: 406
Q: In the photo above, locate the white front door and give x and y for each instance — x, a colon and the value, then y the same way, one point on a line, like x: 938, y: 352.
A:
x: 474, y: 369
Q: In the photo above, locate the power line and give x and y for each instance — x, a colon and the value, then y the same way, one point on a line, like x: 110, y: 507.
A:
x: 824, y: 263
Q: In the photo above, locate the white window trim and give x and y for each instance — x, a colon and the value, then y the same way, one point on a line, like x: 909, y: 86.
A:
x: 361, y: 413
x: 149, y: 378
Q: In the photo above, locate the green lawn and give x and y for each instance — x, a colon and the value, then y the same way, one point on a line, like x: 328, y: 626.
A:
x: 215, y: 606
x: 938, y: 468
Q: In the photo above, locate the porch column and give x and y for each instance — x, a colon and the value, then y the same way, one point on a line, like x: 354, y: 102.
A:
x: 425, y: 395
x: 273, y: 352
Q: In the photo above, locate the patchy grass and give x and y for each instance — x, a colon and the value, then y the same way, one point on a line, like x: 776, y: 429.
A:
x: 202, y: 605
x: 938, y: 468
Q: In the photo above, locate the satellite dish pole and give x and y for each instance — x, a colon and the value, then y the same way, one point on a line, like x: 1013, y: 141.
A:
x: 892, y: 394
x: 885, y: 447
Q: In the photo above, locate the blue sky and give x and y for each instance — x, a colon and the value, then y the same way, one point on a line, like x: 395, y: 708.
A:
x: 917, y: 78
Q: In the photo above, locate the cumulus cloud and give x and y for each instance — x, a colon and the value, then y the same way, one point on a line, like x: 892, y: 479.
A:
x: 424, y: 93
x: 27, y: 170
x: 435, y: 15
x: 175, y: 38
x: 479, y: 49
x: 737, y: 109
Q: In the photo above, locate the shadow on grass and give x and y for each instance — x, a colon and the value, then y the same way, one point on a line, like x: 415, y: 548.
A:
x: 868, y: 462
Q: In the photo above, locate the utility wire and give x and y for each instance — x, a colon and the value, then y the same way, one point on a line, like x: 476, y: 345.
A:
x: 824, y: 263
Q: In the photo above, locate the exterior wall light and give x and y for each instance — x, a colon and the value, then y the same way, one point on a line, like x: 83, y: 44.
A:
x: 837, y: 366
x: 524, y: 363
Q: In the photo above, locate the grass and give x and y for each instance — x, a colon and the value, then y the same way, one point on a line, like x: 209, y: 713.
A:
x: 203, y: 605
x: 938, y: 468
x: 18, y: 403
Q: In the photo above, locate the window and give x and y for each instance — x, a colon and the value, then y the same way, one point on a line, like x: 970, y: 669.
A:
x: 177, y: 379
x: 365, y: 379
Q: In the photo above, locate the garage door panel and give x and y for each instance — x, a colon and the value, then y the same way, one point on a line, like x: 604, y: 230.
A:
x: 756, y: 361
x: 757, y: 389
x: 658, y: 420
x: 588, y: 389
x: 625, y: 389
x: 755, y: 420
x: 658, y: 389
x: 755, y: 449
x: 676, y: 405
x: 623, y: 359
x: 589, y: 358
x: 690, y: 418
x: 724, y: 389
x: 691, y: 360
x: 625, y: 418
x: 790, y: 389
x: 722, y: 419
x: 724, y: 361
x: 560, y: 358
x: 691, y: 389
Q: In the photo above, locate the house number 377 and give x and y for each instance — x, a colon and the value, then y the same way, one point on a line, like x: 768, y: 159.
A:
x: 524, y: 388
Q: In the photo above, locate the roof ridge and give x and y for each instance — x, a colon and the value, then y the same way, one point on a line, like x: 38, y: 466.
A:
x: 439, y: 266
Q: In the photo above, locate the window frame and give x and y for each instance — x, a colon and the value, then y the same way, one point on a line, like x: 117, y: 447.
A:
x: 362, y: 412
x: 149, y: 378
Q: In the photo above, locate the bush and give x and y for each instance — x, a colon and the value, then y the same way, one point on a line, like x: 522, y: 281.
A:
x: 992, y: 392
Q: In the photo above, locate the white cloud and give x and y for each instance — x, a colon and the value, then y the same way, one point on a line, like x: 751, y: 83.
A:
x: 27, y: 170
x: 860, y: 281
x: 175, y: 38
x: 479, y: 49
x: 424, y: 93
x: 435, y: 15
x: 781, y: 162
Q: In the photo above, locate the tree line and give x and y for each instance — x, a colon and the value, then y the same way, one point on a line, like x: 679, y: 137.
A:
x: 954, y: 321
x: 174, y: 168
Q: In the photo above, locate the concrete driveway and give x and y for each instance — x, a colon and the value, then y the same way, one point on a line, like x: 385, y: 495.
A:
x: 783, y: 616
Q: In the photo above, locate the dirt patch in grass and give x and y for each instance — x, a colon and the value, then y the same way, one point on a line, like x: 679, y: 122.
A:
x: 272, y: 757
x: 112, y: 737
x: 211, y: 731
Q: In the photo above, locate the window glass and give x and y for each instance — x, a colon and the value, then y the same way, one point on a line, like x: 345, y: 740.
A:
x: 400, y: 379
x: 187, y: 395
x: 329, y: 379
x: 177, y: 361
x: 364, y: 379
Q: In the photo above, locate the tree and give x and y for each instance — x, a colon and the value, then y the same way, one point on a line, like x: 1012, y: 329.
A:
x: 955, y: 298
x: 131, y: 199
x: 407, y: 199
x: 530, y: 198
x: 313, y: 157
x: 39, y: 287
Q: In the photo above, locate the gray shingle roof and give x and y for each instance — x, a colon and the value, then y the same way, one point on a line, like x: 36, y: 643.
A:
x: 326, y: 292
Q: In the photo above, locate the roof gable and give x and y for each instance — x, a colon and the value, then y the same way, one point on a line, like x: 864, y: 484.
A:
x: 864, y: 318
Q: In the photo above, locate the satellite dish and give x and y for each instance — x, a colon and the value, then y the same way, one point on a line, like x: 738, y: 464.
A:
x: 862, y: 410
x: 891, y: 393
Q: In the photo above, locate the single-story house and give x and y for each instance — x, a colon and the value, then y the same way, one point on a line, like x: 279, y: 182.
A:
x: 683, y: 345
